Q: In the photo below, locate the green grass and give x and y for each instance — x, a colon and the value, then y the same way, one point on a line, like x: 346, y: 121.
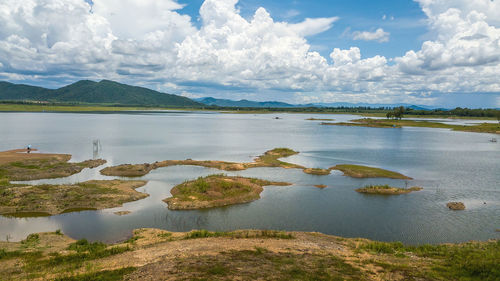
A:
x: 196, y: 234
x: 359, y: 171
x: 469, y: 261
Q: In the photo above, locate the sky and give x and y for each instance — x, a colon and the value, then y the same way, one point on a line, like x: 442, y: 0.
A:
x: 442, y: 53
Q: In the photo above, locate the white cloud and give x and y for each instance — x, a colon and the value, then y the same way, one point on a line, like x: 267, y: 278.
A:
x: 311, y: 27
x: 151, y: 43
x: 378, y: 35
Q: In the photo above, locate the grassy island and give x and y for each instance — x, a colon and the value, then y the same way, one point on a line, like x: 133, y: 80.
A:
x: 493, y: 128
x: 216, y: 191
x: 319, y: 119
x: 387, y: 190
x: 317, y: 171
x: 56, y: 199
x: 268, y: 159
x: 357, y: 171
x: 152, y: 254
x: 17, y: 165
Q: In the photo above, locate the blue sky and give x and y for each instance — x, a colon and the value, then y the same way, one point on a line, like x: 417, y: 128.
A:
x: 442, y: 53
x: 403, y: 19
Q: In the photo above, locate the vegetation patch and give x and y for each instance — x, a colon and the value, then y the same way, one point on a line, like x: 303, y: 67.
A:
x: 321, y: 186
x: 216, y: 191
x: 56, y: 199
x: 493, y: 128
x: 387, y: 190
x: 358, y: 171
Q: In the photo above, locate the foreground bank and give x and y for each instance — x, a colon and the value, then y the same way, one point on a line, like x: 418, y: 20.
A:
x: 152, y: 254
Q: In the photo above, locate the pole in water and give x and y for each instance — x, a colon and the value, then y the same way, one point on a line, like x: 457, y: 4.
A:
x: 96, y: 148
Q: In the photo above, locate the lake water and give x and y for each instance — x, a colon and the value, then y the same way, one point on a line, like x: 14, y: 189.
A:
x: 451, y: 166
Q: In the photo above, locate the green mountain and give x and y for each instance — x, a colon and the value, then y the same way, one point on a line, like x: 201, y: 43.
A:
x: 90, y: 92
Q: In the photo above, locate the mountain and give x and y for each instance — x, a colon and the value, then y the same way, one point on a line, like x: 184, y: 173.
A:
x: 375, y: 105
x: 275, y: 104
x: 246, y: 103
x: 103, y: 92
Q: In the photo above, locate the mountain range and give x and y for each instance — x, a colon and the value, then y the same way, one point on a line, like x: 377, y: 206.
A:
x: 275, y: 104
x: 90, y: 92
x: 114, y: 93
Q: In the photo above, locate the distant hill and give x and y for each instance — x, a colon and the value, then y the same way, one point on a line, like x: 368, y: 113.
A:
x: 90, y: 92
x: 276, y: 104
x: 243, y: 103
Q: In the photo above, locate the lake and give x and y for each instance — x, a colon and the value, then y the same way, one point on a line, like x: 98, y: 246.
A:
x: 451, y: 166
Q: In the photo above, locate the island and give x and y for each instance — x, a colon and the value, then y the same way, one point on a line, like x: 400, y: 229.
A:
x: 17, y: 165
x: 387, y: 190
x: 268, y: 159
x: 493, y: 128
x: 317, y: 171
x: 45, y: 199
x: 216, y: 191
x: 358, y: 171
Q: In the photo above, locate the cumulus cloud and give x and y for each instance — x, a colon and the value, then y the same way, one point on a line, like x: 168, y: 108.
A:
x: 378, y: 35
x: 152, y: 43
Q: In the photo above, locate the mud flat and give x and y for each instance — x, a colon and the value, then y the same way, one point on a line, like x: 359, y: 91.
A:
x: 216, y: 191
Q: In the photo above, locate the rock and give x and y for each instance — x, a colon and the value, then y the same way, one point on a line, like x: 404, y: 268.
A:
x: 456, y: 206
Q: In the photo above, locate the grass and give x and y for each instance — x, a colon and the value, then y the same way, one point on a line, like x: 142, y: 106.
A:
x: 386, y: 189
x: 196, y: 234
x: 358, y: 171
x: 216, y: 191
x: 493, y: 128
x: 469, y: 261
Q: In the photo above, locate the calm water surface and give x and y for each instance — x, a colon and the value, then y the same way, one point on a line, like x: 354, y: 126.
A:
x: 451, y: 166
